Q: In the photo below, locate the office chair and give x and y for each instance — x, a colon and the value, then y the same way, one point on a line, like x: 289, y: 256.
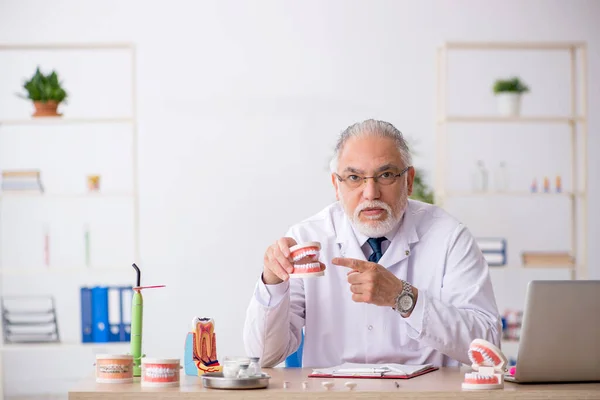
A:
x: 295, y: 360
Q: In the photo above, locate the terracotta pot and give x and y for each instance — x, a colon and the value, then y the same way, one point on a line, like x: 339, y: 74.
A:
x: 46, y: 109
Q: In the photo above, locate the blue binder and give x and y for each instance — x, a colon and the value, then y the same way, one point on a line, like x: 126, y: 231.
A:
x: 115, y: 311
x: 86, y: 315
x: 100, y: 328
x: 126, y: 294
x: 106, y: 314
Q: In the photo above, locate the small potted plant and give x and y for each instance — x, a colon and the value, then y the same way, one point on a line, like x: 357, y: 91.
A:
x: 508, y: 92
x: 46, y: 92
x: 421, y: 191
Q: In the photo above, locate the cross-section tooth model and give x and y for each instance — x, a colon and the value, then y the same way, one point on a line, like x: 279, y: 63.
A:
x: 201, y: 348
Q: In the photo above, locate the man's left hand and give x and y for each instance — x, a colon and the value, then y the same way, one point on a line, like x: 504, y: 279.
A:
x: 370, y: 282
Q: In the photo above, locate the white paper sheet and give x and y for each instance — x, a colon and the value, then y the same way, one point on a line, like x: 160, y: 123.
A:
x: 372, y: 369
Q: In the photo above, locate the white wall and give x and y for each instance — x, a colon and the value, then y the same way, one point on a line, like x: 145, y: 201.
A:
x: 239, y: 107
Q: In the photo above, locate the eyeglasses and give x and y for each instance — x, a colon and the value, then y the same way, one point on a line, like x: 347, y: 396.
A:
x: 386, y: 178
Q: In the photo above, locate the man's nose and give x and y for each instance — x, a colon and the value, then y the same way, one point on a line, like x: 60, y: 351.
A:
x: 371, y: 190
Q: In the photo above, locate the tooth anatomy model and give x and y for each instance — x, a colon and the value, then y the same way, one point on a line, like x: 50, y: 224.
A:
x: 488, y: 365
x: 201, y: 348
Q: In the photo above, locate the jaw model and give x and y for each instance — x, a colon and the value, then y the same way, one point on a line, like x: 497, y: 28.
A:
x: 305, y: 258
x: 489, y: 364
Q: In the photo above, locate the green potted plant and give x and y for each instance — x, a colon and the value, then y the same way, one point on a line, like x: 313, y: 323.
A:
x: 46, y: 92
x: 421, y: 191
x: 508, y: 92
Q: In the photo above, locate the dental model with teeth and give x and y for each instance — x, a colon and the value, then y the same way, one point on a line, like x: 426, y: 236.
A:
x: 490, y: 364
x: 305, y: 258
x: 160, y: 372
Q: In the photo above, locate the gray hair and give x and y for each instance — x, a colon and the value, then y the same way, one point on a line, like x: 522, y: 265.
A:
x: 372, y: 127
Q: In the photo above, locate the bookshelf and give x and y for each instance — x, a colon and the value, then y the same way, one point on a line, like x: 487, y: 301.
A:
x: 572, y: 123
x: 536, y: 196
x: 15, y: 347
x: 64, y: 121
x: 509, y: 120
x: 50, y: 195
x: 73, y: 269
x: 74, y: 274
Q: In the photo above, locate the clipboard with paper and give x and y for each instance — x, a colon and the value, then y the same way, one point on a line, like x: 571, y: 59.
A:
x: 374, y: 371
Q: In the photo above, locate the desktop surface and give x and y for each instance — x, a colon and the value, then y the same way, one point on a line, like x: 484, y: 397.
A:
x: 443, y: 383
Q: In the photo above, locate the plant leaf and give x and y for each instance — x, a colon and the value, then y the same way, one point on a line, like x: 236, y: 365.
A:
x: 42, y: 87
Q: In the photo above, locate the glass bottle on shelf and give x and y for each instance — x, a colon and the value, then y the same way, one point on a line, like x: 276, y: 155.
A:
x: 46, y: 245
x: 480, y: 177
x: 501, y: 178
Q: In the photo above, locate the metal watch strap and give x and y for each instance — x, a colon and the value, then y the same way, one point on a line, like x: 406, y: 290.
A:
x: 406, y: 288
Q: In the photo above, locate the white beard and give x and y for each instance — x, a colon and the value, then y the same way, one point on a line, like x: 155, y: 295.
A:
x: 375, y: 229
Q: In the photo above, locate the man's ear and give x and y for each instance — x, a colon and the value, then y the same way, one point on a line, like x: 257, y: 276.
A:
x: 335, y: 183
x: 410, y: 180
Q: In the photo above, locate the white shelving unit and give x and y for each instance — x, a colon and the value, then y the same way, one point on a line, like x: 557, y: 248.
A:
x: 575, y: 122
x: 41, y: 123
x: 64, y: 121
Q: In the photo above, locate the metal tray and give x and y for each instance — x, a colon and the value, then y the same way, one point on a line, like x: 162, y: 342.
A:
x: 216, y: 380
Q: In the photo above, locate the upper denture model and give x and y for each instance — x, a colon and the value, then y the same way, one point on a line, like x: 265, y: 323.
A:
x: 489, y: 364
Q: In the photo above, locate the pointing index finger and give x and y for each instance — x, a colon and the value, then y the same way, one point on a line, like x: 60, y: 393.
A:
x: 353, y: 263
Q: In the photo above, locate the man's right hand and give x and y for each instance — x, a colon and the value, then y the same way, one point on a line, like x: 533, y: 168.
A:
x: 277, y: 264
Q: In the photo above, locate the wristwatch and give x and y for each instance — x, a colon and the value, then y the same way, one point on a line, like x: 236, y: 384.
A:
x: 405, y: 301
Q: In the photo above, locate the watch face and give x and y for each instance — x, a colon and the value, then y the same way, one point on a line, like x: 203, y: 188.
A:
x: 405, y: 303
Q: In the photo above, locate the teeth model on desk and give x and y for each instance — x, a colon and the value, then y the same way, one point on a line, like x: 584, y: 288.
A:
x: 160, y: 372
x: 490, y: 364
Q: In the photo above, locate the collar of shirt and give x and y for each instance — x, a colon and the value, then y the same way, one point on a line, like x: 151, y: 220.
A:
x: 366, y: 248
x: 395, y: 250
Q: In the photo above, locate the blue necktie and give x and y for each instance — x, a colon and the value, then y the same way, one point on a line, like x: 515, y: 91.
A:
x: 375, y: 244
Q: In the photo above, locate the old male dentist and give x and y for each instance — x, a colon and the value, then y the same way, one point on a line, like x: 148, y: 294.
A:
x: 405, y: 282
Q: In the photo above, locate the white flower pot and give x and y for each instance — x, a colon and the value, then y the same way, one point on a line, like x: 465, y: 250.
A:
x: 509, y: 104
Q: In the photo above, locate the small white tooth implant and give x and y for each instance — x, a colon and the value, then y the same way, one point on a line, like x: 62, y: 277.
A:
x: 328, y: 385
x: 350, y: 385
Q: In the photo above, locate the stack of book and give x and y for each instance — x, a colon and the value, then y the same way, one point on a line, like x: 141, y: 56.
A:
x: 493, y: 250
x: 547, y: 259
x: 29, y: 319
x: 513, y: 320
x: 22, y: 181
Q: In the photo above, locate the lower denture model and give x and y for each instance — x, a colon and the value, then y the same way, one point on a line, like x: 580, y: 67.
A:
x: 488, y: 365
x: 305, y: 258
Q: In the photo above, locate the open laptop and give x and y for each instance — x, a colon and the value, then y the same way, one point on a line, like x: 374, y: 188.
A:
x: 560, y: 333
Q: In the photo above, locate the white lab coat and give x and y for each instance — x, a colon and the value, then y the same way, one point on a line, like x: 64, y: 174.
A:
x: 431, y: 250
